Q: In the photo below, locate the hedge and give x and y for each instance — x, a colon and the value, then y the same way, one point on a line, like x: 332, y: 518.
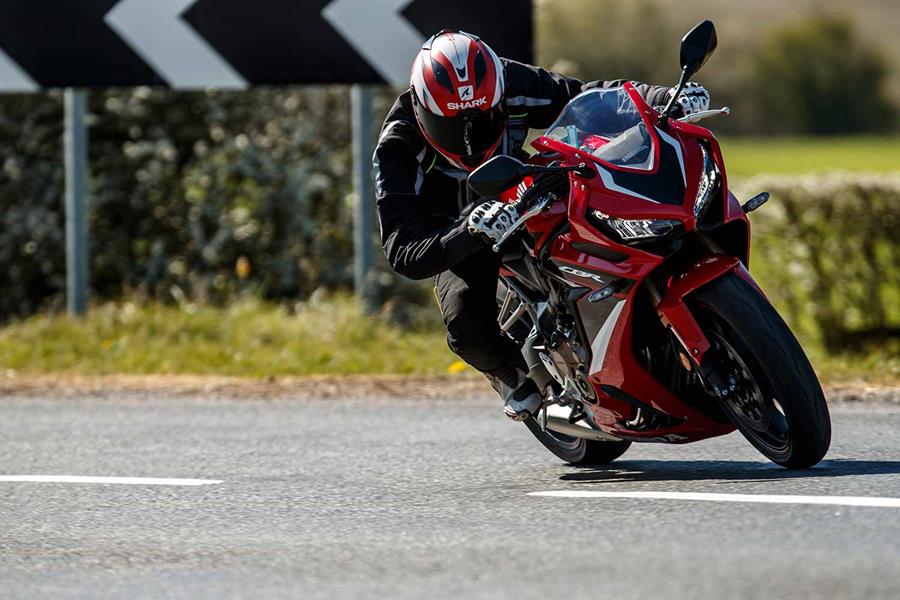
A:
x: 199, y: 195
x: 826, y: 250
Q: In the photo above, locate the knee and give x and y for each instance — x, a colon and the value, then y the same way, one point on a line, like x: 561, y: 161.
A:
x: 468, y: 332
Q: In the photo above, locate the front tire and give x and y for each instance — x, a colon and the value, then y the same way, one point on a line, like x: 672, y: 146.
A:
x: 771, y: 393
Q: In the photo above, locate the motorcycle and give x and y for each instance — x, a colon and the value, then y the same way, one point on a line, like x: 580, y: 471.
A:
x: 625, y: 282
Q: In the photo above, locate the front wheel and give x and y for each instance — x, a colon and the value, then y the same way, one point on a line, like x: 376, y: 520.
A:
x: 577, y: 451
x: 767, y: 386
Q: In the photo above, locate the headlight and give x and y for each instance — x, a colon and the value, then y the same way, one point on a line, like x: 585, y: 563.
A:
x: 708, y: 183
x: 637, y: 229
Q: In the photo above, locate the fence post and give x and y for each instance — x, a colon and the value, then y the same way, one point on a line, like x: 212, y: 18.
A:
x: 364, y: 206
x: 75, y: 149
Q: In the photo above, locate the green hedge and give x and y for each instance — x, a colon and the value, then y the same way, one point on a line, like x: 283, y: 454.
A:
x: 826, y: 249
x: 184, y: 187
x: 193, y: 195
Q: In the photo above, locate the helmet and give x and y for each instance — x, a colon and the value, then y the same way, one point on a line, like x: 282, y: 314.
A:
x: 457, y: 88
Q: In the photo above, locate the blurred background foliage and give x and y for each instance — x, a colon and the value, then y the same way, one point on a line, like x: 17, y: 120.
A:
x: 208, y: 196
x: 819, y: 77
x: 183, y: 188
x: 819, y: 74
x: 826, y: 252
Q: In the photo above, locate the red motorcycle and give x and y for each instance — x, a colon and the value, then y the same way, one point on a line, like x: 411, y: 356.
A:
x: 626, y: 284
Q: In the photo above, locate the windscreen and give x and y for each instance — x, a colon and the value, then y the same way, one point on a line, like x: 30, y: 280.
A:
x: 607, y: 125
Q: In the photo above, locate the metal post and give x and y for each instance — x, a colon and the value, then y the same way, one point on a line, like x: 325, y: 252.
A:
x: 364, y: 206
x: 75, y: 142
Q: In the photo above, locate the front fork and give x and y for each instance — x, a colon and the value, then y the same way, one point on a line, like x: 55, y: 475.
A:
x: 677, y: 317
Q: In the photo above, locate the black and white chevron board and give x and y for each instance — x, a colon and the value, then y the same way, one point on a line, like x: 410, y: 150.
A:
x: 235, y: 44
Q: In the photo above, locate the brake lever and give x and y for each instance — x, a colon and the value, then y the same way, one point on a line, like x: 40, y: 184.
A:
x: 705, y: 114
x: 538, y: 207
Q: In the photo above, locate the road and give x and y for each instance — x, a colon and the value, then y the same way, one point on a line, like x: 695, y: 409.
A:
x: 414, y: 499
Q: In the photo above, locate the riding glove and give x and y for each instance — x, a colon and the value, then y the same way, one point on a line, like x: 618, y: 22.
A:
x: 492, y: 219
x: 693, y: 98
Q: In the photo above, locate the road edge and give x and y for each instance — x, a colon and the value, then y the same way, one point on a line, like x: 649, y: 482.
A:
x: 424, y: 387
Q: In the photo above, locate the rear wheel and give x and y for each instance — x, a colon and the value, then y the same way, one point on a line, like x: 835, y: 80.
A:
x: 766, y: 385
x: 573, y: 450
x: 577, y: 451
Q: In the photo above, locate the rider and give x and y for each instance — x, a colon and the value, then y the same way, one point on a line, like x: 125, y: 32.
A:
x: 466, y: 104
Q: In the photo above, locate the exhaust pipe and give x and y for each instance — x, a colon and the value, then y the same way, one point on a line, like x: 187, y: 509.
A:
x: 558, y: 421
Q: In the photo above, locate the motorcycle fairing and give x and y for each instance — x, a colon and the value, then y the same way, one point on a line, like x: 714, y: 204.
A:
x: 666, y: 186
x: 589, y: 260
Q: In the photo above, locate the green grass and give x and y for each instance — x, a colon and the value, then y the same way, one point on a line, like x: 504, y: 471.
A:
x: 254, y: 339
x: 876, y: 366
x: 745, y: 157
x: 249, y: 338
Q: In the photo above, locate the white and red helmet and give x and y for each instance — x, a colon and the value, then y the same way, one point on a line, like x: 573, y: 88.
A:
x: 457, y: 94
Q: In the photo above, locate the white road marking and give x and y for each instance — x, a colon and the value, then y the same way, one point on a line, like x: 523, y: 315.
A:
x: 758, y: 498
x: 112, y: 480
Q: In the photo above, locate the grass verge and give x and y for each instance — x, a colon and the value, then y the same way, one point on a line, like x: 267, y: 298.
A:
x: 259, y: 340
x: 249, y: 338
x: 746, y: 157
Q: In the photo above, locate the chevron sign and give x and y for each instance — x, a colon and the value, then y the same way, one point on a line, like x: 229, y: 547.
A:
x: 233, y: 44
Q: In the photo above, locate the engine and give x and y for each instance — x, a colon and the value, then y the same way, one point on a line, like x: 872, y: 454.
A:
x: 566, y: 359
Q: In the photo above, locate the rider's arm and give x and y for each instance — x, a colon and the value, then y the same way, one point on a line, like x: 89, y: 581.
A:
x: 654, y: 95
x: 416, y: 244
x: 540, y: 96
x: 537, y: 95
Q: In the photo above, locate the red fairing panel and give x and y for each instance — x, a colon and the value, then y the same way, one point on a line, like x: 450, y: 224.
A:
x: 614, y: 364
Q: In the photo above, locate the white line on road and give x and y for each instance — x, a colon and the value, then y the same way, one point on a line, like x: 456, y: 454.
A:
x: 759, y: 498
x: 113, y: 480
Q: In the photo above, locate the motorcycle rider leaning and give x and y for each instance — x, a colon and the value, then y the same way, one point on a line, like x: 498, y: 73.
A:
x: 466, y: 104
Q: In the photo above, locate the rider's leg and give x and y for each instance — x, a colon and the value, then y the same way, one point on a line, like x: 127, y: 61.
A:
x: 468, y: 298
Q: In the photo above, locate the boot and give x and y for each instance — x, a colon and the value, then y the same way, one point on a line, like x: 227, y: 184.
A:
x: 521, y: 397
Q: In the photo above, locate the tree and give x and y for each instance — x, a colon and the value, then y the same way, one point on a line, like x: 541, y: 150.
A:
x: 603, y: 39
x: 819, y: 77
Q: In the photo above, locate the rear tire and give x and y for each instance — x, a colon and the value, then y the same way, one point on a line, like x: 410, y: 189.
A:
x: 577, y: 451
x: 602, y: 453
x: 775, y: 399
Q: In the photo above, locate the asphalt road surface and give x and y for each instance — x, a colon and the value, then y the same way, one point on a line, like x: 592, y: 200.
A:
x: 414, y: 499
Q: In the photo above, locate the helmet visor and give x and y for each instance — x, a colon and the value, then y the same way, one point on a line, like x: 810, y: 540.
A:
x: 470, y: 136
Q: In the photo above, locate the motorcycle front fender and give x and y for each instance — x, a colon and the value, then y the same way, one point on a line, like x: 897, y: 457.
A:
x: 674, y: 312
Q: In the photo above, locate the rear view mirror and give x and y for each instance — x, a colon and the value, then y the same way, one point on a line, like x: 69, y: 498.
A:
x: 497, y: 175
x: 697, y: 46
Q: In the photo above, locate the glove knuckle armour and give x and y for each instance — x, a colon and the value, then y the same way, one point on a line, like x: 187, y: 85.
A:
x: 693, y: 98
x: 492, y: 220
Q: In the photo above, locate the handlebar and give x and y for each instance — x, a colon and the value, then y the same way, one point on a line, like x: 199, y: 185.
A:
x: 705, y: 114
